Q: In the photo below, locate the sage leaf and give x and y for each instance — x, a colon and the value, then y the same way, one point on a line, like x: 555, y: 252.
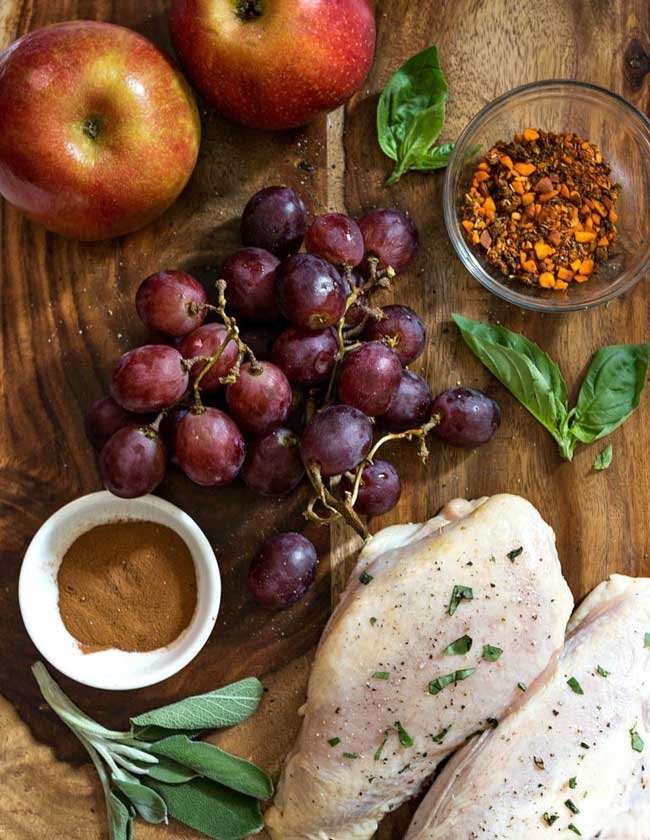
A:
x: 611, y: 390
x: 524, y: 368
x: 603, y: 460
x: 223, y: 707
x: 214, y: 763
x: 170, y: 771
x: 156, y: 733
x: 411, y: 114
x: 149, y: 805
x: 120, y: 822
x: 206, y: 806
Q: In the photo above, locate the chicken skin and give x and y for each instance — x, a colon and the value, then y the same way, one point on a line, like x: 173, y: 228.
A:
x: 439, y: 631
x: 573, y: 758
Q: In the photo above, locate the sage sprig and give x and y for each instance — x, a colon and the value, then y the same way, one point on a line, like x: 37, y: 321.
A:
x: 411, y: 115
x: 156, y: 770
x: 610, y: 391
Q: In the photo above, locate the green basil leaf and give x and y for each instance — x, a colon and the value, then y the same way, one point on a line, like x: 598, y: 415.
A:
x: 146, y: 802
x: 603, y: 460
x: 120, y: 822
x: 208, y: 807
x: 216, y: 764
x: 223, y: 707
x: 411, y: 114
x: 524, y: 368
x: 611, y: 390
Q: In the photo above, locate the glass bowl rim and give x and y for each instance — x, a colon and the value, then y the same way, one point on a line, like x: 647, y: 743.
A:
x: 465, y: 253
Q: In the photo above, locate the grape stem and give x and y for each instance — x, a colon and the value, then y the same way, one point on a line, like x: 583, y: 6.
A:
x: 232, y: 334
x: 421, y: 433
x: 338, y: 509
x: 344, y: 508
x: 377, y: 278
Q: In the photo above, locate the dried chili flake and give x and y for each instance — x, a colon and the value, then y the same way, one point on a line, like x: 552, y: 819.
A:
x: 542, y: 208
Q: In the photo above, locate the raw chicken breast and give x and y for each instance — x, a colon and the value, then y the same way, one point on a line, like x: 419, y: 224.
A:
x: 386, y: 702
x: 563, y: 757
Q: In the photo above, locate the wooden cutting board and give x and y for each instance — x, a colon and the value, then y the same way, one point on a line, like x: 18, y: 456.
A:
x: 67, y: 312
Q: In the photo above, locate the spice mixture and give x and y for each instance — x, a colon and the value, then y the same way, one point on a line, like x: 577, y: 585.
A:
x: 127, y: 585
x: 543, y: 208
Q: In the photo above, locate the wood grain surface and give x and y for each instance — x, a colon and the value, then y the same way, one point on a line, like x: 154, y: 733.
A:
x: 67, y: 312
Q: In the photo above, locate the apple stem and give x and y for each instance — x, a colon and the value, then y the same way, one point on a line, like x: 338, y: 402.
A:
x: 249, y: 9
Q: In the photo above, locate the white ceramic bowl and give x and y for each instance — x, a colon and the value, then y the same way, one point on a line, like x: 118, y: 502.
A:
x: 38, y: 593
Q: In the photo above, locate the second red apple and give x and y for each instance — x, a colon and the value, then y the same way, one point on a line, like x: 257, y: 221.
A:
x: 274, y: 63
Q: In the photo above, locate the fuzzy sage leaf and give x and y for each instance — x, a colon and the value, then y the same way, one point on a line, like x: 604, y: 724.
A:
x: 411, y: 114
x: 120, y: 821
x: 213, y: 763
x: 175, y: 776
x: 214, y: 810
x: 223, y: 707
x: 146, y: 802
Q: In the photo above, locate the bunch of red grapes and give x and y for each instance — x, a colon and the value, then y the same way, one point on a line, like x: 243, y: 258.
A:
x: 281, y: 376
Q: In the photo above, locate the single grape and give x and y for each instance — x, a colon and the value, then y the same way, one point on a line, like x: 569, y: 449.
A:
x: 132, y: 462
x: 401, y: 329
x: 171, y: 302
x: 307, y: 357
x: 379, y: 490
x: 206, y: 341
x: 283, y: 570
x: 273, y: 465
x: 369, y: 378
x: 275, y: 219
x: 391, y: 236
x: 337, y: 438
x: 104, y: 417
x: 209, y: 447
x: 149, y: 378
x: 167, y: 429
x: 336, y: 238
x: 260, y: 338
x: 258, y: 401
x: 411, y: 405
x: 310, y: 291
x: 467, y: 417
x: 250, y: 283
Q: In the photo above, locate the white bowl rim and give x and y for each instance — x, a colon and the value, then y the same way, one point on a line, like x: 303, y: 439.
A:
x: 136, y: 670
x: 466, y: 254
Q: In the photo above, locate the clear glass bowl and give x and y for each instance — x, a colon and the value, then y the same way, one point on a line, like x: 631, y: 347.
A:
x: 598, y: 115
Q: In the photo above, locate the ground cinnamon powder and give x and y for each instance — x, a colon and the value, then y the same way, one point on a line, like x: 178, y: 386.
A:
x: 127, y: 585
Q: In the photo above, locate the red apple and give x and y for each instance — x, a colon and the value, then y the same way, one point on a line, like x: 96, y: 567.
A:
x: 274, y: 63
x: 99, y: 133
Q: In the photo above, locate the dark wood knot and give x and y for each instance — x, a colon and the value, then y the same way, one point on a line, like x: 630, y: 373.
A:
x: 636, y: 63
